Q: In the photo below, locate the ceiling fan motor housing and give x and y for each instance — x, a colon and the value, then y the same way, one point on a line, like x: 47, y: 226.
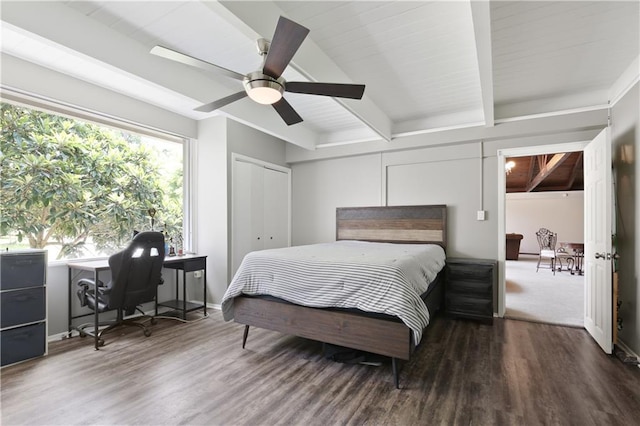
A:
x: 263, y: 88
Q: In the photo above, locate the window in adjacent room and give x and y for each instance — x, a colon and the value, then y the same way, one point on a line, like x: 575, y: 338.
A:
x: 80, y: 189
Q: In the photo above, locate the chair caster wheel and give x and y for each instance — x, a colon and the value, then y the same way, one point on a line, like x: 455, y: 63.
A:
x: 154, y: 321
x: 83, y: 335
x: 100, y: 342
x: 147, y: 333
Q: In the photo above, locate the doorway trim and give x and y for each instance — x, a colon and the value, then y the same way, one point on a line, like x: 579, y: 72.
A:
x: 502, y: 193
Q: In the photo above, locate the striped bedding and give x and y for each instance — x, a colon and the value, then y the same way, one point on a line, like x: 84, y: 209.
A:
x: 384, y: 278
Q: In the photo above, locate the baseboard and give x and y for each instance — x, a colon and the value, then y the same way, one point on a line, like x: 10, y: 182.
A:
x: 630, y: 355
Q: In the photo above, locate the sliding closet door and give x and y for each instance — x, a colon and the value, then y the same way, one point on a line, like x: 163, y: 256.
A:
x: 276, y: 208
x: 261, y: 206
x: 247, y: 211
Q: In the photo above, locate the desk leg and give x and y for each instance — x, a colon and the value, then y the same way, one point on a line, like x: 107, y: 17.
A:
x: 204, y: 290
x: 184, y: 294
x: 69, y: 301
x: 177, y: 286
x: 97, y: 314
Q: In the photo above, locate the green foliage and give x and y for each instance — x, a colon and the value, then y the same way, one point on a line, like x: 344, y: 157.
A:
x: 66, y: 182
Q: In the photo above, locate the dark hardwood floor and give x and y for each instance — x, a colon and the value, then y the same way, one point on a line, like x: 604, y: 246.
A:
x: 514, y: 373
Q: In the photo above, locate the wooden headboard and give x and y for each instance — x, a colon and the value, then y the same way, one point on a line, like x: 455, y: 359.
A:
x: 394, y: 224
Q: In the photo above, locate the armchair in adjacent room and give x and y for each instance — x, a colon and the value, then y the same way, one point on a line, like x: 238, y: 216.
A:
x: 135, y: 276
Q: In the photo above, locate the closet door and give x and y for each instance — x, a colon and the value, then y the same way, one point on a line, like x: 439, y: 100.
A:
x: 260, y: 212
x: 248, y: 210
x: 276, y: 208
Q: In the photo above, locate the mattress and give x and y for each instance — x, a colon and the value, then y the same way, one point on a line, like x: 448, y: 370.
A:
x: 383, y: 278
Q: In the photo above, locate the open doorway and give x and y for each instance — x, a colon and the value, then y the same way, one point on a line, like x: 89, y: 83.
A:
x: 528, y: 291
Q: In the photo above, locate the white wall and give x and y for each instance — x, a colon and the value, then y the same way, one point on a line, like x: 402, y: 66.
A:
x: 320, y: 187
x: 211, y: 207
x: 444, y: 175
x: 625, y: 134
x: 455, y: 176
x: 560, y: 212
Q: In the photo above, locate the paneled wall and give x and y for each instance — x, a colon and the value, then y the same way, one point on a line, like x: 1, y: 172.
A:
x: 320, y: 187
x: 455, y: 176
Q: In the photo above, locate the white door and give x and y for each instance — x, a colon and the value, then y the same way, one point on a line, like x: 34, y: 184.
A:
x: 247, y: 211
x: 597, y: 249
x: 276, y: 209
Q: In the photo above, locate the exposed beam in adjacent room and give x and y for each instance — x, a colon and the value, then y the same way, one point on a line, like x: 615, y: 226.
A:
x: 547, y: 169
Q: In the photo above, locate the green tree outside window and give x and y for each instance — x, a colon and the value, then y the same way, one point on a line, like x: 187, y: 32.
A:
x: 79, y: 186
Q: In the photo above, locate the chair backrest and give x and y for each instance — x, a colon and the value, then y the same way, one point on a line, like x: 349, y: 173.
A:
x: 136, y: 271
x: 546, y: 239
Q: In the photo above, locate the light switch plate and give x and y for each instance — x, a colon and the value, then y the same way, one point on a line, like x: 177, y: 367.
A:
x: 480, y: 215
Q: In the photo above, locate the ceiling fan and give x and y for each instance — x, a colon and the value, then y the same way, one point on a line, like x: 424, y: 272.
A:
x: 266, y: 85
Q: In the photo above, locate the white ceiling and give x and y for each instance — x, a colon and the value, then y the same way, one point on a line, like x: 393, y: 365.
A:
x: 427, y: 65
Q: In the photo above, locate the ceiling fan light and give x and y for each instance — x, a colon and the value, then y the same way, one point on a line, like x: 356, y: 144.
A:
x: 264, y: 95
x: 263, y: 89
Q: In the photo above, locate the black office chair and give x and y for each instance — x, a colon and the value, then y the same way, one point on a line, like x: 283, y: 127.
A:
x: 135, y: 276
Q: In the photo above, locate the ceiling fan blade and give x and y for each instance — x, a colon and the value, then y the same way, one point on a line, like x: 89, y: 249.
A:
x: 286, y: 111
x: 353, y: 91
x: 221, y: 102
x: 194, y: 62
x: 286, y: 41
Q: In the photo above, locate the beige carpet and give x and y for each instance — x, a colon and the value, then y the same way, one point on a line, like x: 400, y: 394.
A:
x: 541, y: 296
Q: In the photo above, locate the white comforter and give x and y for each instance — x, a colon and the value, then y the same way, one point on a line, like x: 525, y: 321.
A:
x: 373, y: 277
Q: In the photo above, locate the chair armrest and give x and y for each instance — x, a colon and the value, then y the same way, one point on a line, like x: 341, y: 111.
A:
x: 88, y: 286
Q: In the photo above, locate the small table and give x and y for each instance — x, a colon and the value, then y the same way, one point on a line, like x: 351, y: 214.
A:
x: 185, y: 263
x: 577, y: 254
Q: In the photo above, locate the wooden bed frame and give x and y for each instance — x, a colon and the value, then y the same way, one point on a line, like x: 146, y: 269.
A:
x: 377, y: 334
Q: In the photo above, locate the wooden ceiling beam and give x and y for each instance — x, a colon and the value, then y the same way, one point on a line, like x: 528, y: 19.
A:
x: 574, y: 172
x: 532, y: 162
x: 547, y: 168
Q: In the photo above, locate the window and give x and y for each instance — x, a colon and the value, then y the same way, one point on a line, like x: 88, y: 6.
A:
x: 80, y: 189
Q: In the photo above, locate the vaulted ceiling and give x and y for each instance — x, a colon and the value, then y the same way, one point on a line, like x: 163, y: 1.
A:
x: 549, y: 172
x: 427, y: 66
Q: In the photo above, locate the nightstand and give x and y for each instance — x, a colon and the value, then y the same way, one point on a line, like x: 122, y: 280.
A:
x: 469, y: 288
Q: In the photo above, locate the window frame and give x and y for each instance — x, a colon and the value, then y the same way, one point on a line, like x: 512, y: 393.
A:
x: 53, y: 107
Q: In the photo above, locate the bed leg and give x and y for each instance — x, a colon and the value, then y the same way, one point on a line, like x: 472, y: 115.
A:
x: 245, y: 335
x: 394, y: 368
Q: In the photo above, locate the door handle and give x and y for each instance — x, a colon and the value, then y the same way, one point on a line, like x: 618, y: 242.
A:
x: 601, y: 256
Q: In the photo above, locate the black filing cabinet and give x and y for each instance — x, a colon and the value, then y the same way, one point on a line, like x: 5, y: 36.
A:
x: 469, y: 289
x: 23, y: 304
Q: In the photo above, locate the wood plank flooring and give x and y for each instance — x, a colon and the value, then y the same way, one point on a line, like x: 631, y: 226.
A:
x: 513, y: 373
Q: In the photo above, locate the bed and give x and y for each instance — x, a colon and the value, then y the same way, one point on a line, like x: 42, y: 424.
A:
x: 382, y: 333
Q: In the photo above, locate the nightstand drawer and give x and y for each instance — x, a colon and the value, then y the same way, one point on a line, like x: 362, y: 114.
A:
x: 476, y: 288
x: 470, y: 272
x: 468, y: 305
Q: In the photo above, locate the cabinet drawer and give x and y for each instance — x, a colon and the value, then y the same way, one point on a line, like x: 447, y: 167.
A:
x: 188, y: 265
x: 476, y: 288
x: 469, y: 305
x: 467, y: 272
x: 22, y: 306
x: 22, y: 343
x: 21, y: 270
